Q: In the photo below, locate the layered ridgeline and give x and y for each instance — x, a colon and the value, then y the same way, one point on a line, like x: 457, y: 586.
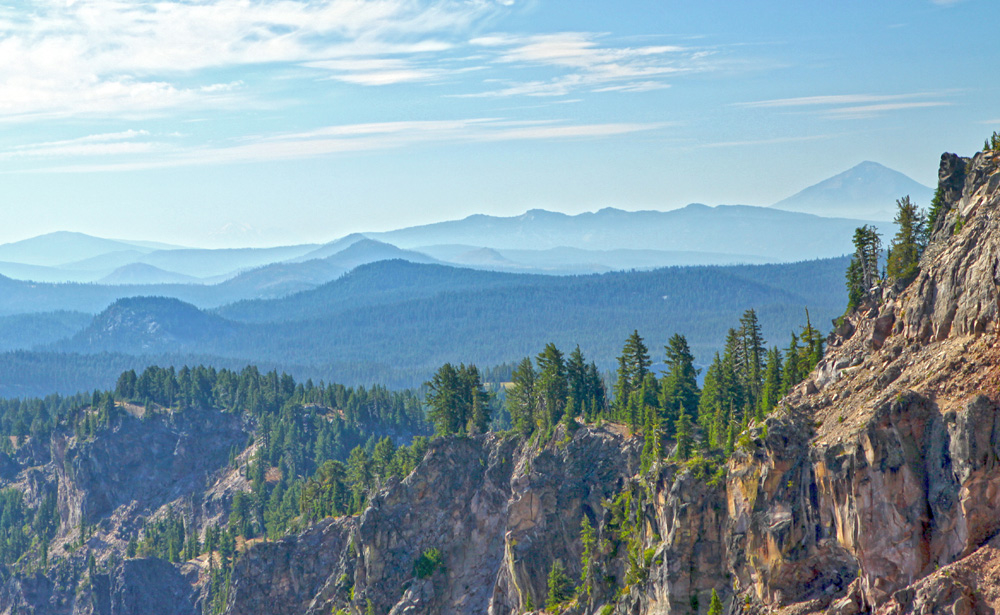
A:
x: 361, y: 309
x: 395, y: 322
x: 871, y: 486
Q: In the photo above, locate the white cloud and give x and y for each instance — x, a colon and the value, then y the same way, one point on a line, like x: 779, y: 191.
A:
x: 840, y: 99
x: 105, y: 57
x: 853, y: 106
x: 587, y: 64
x: 104, y: 144
x: 865, y: 111
x: 346, y: 138
x: 774, y: 141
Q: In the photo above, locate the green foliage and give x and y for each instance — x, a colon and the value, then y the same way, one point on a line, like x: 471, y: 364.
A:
x: 19, y: 524
x: 771, y: 392
x: 855, y: 284
x: 937, y: 208
x: 587, y: 560
x: 164, y: 538
x: 559, y: 584
x: 552, y: 387
x: 909, y: 242
x: 521, y: 398
x: 683, y: 436
x: 679, y: 386
x: 715, y: 605
x: 458, y: 402
x: 652, y: 448
x: 429, y: 562
x: 862, y: 275
x: 633, y: 365
x: 992, y: 143
x: 557, y: 391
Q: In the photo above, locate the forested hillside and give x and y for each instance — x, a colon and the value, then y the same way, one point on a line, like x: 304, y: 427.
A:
x: 394, y: 322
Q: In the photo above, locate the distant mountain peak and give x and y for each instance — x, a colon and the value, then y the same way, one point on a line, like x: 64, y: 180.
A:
x: 866, y: 191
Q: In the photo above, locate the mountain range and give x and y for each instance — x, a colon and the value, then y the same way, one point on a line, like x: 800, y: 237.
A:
x: 817, y: 222
x: 391, y: 306
x: 395, y: 321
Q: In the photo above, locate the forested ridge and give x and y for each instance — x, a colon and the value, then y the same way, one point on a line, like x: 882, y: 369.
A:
x: 317, y: 450
x: 395, y: 322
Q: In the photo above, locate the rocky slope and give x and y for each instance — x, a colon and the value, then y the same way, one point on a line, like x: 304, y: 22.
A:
x: 873, y: 488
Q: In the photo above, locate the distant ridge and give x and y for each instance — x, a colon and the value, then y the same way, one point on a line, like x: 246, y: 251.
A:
x: 62, y: 247
x: 867, y: 191
x: 763, y: 233
x: 141, y: 273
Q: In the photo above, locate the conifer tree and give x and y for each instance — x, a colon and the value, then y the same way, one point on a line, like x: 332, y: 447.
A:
x: 576, y: 378
x: 793, y: 373
x: 596, y: 392
x: 589, y: 541
x: 752, y: 357
x: 443, y: 398
x: 680, y: 384
x: 771, y: 392
x: 633, y: 365
x: 867, y: 245
x: 855, y: 284
x: 652, y: 447
x: 683, y: 431
x: 909, y: 242
x: 715, y: 605
x: 458, y: 401
x: 560, y: 585
x: 711, y: 395
x: 552, y: 386
x: 937, y: 208
x: 522, y: 398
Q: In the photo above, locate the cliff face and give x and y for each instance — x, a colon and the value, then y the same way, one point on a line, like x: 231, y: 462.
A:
x: 874, y: 487
x: 891, y: 472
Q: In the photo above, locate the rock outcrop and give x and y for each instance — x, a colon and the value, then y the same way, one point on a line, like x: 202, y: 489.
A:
x: 873, y: 488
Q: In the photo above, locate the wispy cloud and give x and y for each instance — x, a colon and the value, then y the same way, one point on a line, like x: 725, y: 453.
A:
x: 774, y: 141
x: 853, y: 106
x: 839, y: 99
x: 865, y: 111
x: 105, y: 144
x: 332, y: 140
x: 586, y: 63
x: 105, y: 57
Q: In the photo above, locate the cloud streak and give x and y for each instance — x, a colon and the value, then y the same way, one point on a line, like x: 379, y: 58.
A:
x: 852, y: 106
x: 106, y: 57
x: 586, y: 64
x: 325, y: 141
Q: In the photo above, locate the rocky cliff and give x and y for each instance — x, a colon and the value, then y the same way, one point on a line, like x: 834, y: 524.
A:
x: 873, y: 488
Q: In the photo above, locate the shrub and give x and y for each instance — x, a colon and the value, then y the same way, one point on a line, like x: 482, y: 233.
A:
x: 429, y: 562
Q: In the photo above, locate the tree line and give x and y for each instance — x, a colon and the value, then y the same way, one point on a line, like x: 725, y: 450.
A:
x: 741, y: 384
x: 902, y: 260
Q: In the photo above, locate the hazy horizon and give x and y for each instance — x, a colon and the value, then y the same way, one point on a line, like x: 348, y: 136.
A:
x: 225, y: 124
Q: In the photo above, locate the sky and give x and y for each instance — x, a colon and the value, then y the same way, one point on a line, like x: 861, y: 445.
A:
x: 224, y: 123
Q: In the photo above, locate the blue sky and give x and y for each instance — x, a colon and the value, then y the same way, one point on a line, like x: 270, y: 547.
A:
x: 251, y: 122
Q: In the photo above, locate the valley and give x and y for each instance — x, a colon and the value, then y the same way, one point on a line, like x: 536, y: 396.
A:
x: 849, y: 473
